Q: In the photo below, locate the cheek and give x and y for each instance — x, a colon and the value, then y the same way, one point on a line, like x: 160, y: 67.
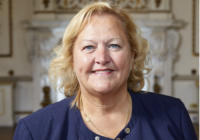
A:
x: 123, y: 61
x: 82, y: 63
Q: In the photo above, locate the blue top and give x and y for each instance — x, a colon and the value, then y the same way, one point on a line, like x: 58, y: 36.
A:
x: 154, y: 117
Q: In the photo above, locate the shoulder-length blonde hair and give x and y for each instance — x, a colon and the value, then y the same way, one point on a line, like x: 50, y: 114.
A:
x: 61, y: 68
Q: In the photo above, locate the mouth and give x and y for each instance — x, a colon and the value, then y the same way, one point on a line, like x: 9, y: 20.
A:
x: 107, y: 71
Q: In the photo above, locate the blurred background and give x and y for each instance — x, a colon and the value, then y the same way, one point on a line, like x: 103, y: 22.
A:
x: 30, y: 29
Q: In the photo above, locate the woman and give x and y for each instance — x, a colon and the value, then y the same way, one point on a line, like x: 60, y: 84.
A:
x: 103, y: 57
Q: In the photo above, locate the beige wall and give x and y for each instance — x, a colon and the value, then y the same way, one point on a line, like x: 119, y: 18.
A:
x: 18, y: 62
x: 182, y: 10
x: 22, y: 10
x: 185, y: 89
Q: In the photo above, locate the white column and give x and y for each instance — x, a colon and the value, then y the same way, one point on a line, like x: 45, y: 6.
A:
x: 40, y: 43
x: 163, y: 43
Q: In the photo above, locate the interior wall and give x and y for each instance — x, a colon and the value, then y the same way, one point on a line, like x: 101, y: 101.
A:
x: 186, y: 90
x: 21, y: 10
x: 186, y: 61
x: 19, y: 63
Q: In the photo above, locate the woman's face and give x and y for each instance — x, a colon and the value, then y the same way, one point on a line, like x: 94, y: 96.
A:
x: 101, y: 56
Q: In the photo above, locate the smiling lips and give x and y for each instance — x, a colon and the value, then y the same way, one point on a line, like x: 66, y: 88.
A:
x: 102, y: 72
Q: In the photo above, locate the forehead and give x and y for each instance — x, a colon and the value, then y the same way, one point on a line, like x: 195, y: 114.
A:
x: 104, y: 18
x: 104, y: 22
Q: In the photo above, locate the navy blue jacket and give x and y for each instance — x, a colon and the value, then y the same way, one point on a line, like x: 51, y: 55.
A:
x: 154, y: 117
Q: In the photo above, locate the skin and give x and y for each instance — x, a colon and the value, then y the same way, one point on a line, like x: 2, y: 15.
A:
x: 102, y: 62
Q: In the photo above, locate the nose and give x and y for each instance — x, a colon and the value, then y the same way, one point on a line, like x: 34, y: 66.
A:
x: 102, y: 55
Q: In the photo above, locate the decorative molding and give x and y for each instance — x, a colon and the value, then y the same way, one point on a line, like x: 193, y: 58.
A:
x: 193, y: 111
x: 2, y: 102
x: 11, y: 79
x: 1, y: 3
x: 172, y: 42
x: 157, y: 2
x: 46, y: 3
x: 7, y: 119
x: 46, y: 100
x: 163, y: 38
x: 169, y: 23
x: 10, y: 31
x: 185, y: 77
x: 194, y: 23
x: 73, y: 6
x: 49, y: 25
x: 23, y: 112
x: 6, y: 83
x: 42, y: 36
x: 75, y: 11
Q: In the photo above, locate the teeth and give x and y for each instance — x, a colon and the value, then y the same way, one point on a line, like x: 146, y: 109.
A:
x: 103, y: 71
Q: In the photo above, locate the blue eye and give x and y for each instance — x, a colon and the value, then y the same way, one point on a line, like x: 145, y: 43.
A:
x: 115, y: 46
x: 89, y: 48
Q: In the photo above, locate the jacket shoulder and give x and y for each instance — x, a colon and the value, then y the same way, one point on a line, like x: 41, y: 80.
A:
x: 156, y: 105
x: 168, y: 113
x: 45, y: 123
x: 55, y: 108
x: 155, y: 99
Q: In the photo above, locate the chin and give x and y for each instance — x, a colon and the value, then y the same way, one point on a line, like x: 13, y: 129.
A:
x: 103, y: 89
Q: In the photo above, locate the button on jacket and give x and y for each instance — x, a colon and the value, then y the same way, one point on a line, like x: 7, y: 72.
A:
x: 154, y: 117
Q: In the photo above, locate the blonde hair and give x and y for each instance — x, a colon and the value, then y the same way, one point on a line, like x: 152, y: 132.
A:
x: 61, y: 68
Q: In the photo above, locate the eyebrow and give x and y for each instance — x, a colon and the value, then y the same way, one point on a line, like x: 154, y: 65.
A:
x: 117, y: 38
x: 89, y: 40
x: 110, y: 40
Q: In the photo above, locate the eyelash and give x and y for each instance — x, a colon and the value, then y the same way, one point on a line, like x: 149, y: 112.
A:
x: 90, y: 47
x: 115, y: 45
x: 86, y: 48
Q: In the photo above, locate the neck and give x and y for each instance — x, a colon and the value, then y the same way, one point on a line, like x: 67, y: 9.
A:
x: 105, y: 102
x: 100, y: 104
x: 106, y: 118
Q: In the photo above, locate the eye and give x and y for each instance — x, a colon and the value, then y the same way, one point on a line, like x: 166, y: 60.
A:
x: 88, y: 48
x: 114, y: 46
